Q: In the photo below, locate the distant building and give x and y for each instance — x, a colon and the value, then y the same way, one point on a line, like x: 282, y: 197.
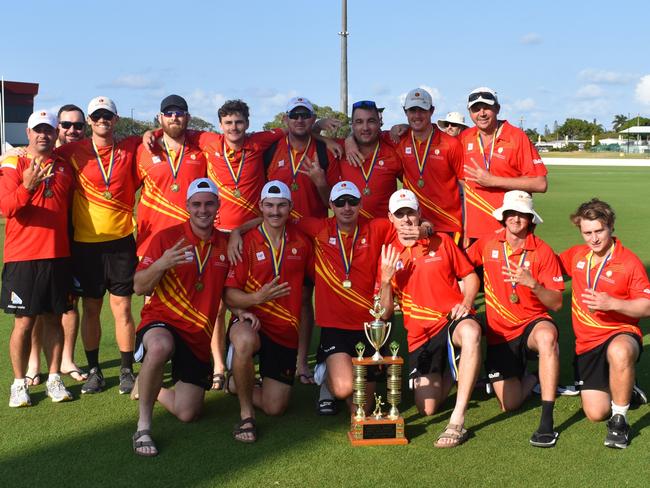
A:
x: 18, y: 106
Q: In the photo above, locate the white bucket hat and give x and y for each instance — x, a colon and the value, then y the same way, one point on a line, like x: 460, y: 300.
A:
x: 452, y: 118
x: 519, y: 201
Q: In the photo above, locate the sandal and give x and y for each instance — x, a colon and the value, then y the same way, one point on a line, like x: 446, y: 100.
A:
x: 218, y: 381
x: 547, y: 439
x: 456, y: 433
x: 138, y: 444
x: 239, y: 429
x: 76, y: 374
x: 327, y: 406
x: 33, y: 380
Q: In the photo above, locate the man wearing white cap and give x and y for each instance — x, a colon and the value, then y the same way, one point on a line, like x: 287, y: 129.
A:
x: 523, y: 282
x: 35, y: 199
x: 267, y: 282
x: 497, y: 157
x: 453, y: 124
x: 438, y: 317
x: 103, y: 246
x: 183, y: 269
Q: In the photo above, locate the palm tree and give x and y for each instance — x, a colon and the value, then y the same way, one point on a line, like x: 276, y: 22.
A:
x: 618, y: 122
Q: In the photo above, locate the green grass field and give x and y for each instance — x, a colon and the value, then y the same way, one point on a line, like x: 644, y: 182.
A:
x: 87, y: 442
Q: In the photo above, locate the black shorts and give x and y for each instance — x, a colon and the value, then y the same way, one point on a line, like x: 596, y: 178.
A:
x: 508, y: 359
x: 186, y: 367
x: 101, y: 266
x: 432, y: 356
x: 276, y: 361
x: 591, y: 369
x: 36, y: 287
x: 333, y: 340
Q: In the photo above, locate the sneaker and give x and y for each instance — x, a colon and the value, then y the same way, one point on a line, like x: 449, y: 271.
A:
x: 57, y: 391
x: 127, y: 380
x: 638, y: 396
x: 95, y: 382
x: 618, y: 432
x: 19, y: 396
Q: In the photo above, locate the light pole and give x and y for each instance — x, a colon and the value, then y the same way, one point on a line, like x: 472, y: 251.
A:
x: 344, y: 57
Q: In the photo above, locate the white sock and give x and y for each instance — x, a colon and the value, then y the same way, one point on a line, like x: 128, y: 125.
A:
x: 325, y: 392
x: 618, y: 410
x: 53, y: 377
x: 19, y: 382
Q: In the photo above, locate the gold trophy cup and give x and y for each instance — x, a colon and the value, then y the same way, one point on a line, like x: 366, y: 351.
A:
x: 377, y: 332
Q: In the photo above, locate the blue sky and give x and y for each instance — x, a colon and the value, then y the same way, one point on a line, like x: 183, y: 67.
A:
x: 548, y: 61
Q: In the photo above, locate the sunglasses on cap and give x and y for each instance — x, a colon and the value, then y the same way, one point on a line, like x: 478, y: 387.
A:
x: 364, y: 104
x: 77, y: 125
x: 300, y: 115
x: 102, y: 114
x: 350, y: 200
x: 171, y: 113
x: 484, y: 95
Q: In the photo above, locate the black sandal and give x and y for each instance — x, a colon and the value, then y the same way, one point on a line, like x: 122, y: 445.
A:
x: 137, y: 444
x: 218, y: 381
x: 239, y: 429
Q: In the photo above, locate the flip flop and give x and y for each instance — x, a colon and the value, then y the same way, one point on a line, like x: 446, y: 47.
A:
x: 306, y: 379
x: 218, y: 381
x: 239, y: 430
x: 76, y: 374
x: 33, y: 380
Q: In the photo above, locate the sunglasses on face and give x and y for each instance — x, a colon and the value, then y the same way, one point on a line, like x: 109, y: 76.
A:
x: 484, y: 95
x: 352, y: 201
x: 177, y: 113
x: 364, y: 104
x: 106, y: 115
x: 77, y: 125
x: 300, y: 115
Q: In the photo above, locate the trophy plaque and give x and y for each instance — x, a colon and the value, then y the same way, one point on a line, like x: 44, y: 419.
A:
x: 378, y: 428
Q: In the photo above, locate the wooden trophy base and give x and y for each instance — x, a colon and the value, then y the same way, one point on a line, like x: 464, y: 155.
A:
x: 377, y: 432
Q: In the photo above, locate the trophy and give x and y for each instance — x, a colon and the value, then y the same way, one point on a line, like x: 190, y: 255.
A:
x: 378, y: 428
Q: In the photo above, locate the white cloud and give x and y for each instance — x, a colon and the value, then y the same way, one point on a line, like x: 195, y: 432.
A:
x: 132, y: 81
x: 531, y: 38
x: 642, y: 91
x: 589, y: 91
x: 608, y: 77
x: 525, y: 104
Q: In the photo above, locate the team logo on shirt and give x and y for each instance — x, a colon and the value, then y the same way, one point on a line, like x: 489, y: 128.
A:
x: 432, y: 253
x: 363, y: 241
x: 407, y: 150
x: 222, y: 258
x: 470, y: 146
x: 609, y: 273
x: 580, y: 265
x: 155, y: 159
x: 500, y: 150
x: 260, y: 256
x: 281, y: 163
x: 193, y: 156
x: 557, y: 279
x: 436, y: 152
x: 332, y: 241
x: 381, y: 162
x: 60, y: 169
x: 294, y: 251
x: 495, y: 254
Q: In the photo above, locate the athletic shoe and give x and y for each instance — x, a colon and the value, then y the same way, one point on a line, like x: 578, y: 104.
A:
x: 638, y: 396
x: 95, y: 382
x: 127, y: 380
x: 56, y: 390
x: 19, y: 396
x: 618, y: 432
x: 548, y: 439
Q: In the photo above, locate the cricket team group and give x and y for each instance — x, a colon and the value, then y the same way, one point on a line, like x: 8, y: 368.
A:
x: 236, y: 221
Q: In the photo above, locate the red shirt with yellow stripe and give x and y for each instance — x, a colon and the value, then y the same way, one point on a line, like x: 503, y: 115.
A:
x: 437, y: 187
x: 102, y: 212
x: 426, y: 285
x: 177, y: 300
x: 506, y: 320
x: 513, y: 156
x: 239, y: 198
x: 336, y: 305
x: 382, y: 170
x: 623, y: 277
x: 279, y: 318
x: 163, y: 198
x: 37, y: 223
x: 305, y: 197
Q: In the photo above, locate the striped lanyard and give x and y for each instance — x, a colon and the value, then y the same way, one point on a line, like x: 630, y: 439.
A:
x: 488, y: 161
x: 235, y: 176
x: 106, y: 173
x: 296, y: 167
x: 277, y: 256
x: 422, y: 162
x: 371, y: 167
x: 600, y: 268
x: 175, y: 166
x: 507, y: 260
x: 347, y: 260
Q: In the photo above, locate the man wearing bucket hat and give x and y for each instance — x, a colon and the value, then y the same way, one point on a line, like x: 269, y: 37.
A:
x: 523, y: 281
x: 183, y: 269
x: 497, y: 157
x: 438, y: 319
x: 453, y: 124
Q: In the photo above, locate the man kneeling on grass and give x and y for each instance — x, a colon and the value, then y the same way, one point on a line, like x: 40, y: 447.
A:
x: 184, y: 270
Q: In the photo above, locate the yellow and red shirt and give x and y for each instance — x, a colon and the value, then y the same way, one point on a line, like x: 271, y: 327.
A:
x: 101, y: 212
x: 37, y: 223
x: 513, y: 156
x: 163, y: 198
x: 176, y: 300
x: 279, y: 318
x: 623, y: 277
x: 506, y: 320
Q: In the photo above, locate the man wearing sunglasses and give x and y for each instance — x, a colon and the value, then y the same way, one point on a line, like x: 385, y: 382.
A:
x: 438, y: 317
x: 497, y: 157
x: 71, y: 124
x: 103, y: 246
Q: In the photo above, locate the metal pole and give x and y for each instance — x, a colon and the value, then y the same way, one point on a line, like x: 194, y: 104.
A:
x: 344, y: 57
x: 3, y: 142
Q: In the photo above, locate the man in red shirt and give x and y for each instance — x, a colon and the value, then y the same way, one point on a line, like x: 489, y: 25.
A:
x: 497, y: 157
x: 267, y: 282
x: 438, y: 319
x: 183, y: 270
x: 523, y: 281
x: 35, y: 199
x: 610, y: 293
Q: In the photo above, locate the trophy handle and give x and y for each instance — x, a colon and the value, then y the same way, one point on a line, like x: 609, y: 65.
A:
x: 390, y: 325
x: 365, y: 331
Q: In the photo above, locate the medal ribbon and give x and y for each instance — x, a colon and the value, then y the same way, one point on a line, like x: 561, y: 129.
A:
x: 600, y: 269
x: 422, y: 162
x: 277, y: 256
x: 505, y: 258
x: 368, y: 174
x: 488, y: 162
x: 235, y: 177
x: 347, y: 261
x: 106, y: 175
x: 177, y: 167
x: 200, y: 263
x: 295, y: 168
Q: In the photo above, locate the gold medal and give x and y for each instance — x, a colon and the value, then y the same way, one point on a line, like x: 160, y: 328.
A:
x: 198, y: 286
x: 237, y: 193
x: 108, y: 195
x: 514, y: 298
x: 421, y: 183
x: 48, y: 193
x: 347, y: 284
x: 175, y: 188
x: 366, y: 191
x: 294, y: 186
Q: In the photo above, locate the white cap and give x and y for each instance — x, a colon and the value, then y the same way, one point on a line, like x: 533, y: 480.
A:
x: 418, y: 97
x: 202, y: 185
x: 482, y: 94
x: 344, y: 188
x: 275, y: 189
x: 98, y: 103
x: 519, y: 201
x: 403, y: 199
x: 296, y: 102
x: 452, y: 118
x: 42, y: 117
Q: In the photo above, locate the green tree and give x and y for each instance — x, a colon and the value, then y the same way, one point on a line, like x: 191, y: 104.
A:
x: 127, y: 126
x: 618, y: 121
x: 321, y: 113
x: 197, y: 123
x: 634, y: 121
x: 533, y: 135
x: 579, y: 129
